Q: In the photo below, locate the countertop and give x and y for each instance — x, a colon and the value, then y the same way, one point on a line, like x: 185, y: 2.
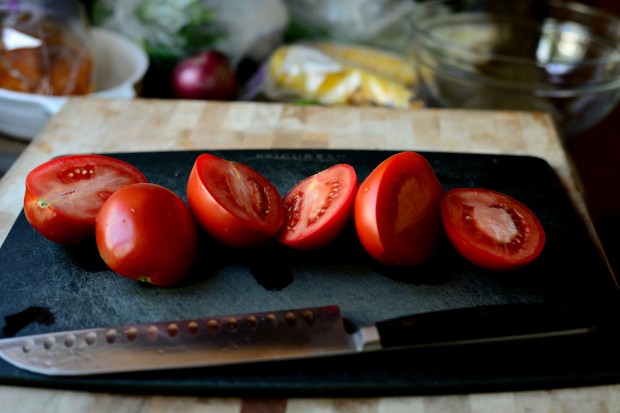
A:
x: 88, y: 125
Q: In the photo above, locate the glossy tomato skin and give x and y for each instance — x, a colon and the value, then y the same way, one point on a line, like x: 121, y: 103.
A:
x: 317, y: 209
x: 63, y: 195
x: 146, y: 232
x: 491, y: 229
x: 396, y: 210
x: 233, y: 203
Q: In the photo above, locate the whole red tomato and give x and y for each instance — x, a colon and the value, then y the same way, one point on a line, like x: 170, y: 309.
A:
x: 491, y: 229
x: 234, y: 203
x: 146, y: 232
x: 63, y: 196
x: 318, y: 208
x: 396, y: 211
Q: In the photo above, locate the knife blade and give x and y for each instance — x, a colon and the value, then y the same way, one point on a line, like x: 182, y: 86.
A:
x: 276, y: 335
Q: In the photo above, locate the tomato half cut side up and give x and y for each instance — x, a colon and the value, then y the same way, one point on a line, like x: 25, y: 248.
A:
x: 396, y: 211
x: 233, y: 203
x: 491, y: 229
x: 64, y: 195
x: 317, y: 209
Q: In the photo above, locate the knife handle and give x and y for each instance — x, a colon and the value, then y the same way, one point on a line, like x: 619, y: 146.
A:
x: 480, y: 324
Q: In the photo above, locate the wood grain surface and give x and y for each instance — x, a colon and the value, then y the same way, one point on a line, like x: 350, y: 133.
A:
x: 88, y: 125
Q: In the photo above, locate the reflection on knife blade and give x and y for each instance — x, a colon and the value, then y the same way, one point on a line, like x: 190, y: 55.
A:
x: 278, y: 335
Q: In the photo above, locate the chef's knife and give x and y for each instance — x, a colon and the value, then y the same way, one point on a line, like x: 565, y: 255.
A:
x: 277, y: 335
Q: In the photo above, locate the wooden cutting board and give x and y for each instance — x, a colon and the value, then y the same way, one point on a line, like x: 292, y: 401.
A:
x: 155, y: 126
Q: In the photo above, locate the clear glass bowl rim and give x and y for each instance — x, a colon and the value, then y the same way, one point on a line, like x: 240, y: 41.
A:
x: 583, y: 9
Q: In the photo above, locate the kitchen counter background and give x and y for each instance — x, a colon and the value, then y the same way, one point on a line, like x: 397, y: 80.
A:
x: 596, y: 155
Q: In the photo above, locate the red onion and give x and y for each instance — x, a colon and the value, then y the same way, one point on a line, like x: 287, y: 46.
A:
x: 207, y: 75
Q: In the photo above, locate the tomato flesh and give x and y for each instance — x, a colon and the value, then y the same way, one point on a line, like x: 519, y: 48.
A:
x: 396, y: 210
x: 64, y: 195
x: 233, y: 203
x: 491, y: 229
x: 146, y: 232
x: 318, y: 208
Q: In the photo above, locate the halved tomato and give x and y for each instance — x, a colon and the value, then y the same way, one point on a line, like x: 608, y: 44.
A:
x: 64, y: 195
x: 491, y: 229
x: 396, y: 210
x: 317, y: 209
x: 146, y: 232
x: 234, y: 203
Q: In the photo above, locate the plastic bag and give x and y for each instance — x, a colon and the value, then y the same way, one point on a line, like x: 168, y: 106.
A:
x: 45, y: 48
x: 170, y: 30
x: 373, y: 22
x: 329, y: 73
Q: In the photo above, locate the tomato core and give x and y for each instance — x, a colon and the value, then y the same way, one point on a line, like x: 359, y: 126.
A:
x: 407, y: 206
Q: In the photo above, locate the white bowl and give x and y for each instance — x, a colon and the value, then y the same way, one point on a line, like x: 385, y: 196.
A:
x: 120, y: 64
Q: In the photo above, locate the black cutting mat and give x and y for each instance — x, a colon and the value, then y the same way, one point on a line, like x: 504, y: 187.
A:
x: 46, y: 287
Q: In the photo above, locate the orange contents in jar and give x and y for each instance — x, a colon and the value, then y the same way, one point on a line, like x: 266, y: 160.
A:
x: 45, y: 58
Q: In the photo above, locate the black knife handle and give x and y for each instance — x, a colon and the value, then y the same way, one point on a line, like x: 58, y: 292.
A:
x: 499, y: 322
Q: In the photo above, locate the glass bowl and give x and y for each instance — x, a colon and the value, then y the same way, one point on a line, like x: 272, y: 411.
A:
x: 557, y: 57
